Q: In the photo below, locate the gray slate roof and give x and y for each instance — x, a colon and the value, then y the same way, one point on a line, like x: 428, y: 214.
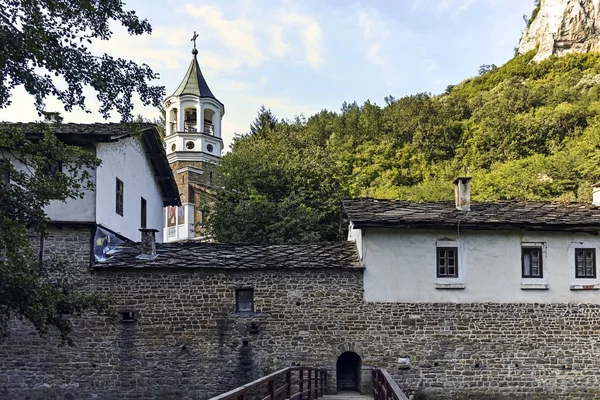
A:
x: 99, y: 130
x: 239, y: 256
x: 367, y: 212
x: 194, y: 83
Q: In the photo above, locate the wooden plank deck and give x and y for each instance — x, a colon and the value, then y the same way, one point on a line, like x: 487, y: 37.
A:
x: 347, y: 396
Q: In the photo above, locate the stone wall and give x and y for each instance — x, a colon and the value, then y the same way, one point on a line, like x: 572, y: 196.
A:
x: 188, y: 343
x: 69, y: 243
x: 197, y: 188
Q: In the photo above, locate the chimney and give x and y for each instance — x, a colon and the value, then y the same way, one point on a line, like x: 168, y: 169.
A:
x: 462, y: 193
x: 148, y: 244
x: 596, y: 194
x: 52, y: 117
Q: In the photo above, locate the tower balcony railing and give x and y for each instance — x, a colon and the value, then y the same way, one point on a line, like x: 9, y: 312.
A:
x: 189, y: 126
x: 209, y: 129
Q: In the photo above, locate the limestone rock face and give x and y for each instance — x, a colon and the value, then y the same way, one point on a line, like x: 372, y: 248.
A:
x: 563, y: 26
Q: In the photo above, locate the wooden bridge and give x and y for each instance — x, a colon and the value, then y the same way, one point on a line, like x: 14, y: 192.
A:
x: 304, y: 383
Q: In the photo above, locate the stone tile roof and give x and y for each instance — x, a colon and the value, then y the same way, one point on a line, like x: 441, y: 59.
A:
x: 98, y: 129
x: 238, y: 256
x: 368, y: 212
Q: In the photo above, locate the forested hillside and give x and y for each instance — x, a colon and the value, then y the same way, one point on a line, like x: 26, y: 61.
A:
x: 523, y: 131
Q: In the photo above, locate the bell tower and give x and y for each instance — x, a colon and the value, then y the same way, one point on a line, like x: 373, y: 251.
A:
x: 194, y: 145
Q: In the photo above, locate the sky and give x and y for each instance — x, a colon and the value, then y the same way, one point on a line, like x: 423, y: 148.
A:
x: 300, y: 57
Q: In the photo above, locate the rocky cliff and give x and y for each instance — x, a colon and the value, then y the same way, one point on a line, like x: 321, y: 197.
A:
x: 563, y: 26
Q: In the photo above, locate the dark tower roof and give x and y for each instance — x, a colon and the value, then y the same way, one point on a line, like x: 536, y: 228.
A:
x: 194, y: 83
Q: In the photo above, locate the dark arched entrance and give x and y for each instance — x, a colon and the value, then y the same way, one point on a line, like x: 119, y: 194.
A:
x: 348, y: 372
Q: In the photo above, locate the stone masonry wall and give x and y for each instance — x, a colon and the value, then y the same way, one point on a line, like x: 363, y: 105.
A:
x: 197, y: 188
x: 188, y: 343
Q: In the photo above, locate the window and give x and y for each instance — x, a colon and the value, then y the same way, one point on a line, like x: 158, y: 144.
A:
x: 5, y: 171
x: 244, y: 300
x: 447, y: 262
x: 143, y: 213
x: 119, y: 198
x: 531, y: 258
x: 585, y: 263
x: 210, y: 177
x: 128, y: 316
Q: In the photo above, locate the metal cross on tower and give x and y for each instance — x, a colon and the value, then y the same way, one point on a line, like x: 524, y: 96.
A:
x: 194, y: 39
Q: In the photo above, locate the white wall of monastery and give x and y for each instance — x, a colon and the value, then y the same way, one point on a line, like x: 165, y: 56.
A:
x: 401, y: 267
x: 127, y: 160
x: 71, y: 210
x: 74, y: 210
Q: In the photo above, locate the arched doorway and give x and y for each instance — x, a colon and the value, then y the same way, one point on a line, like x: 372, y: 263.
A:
x: 348, y: 372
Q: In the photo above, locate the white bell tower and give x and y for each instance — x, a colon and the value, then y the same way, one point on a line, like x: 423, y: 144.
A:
x: 193, y: 119
x: 194, y: 145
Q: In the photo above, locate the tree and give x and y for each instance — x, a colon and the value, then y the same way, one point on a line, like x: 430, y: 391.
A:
x: 45, y: 39
x: 277, y: 189
x: 524, y: 131
x: 42, y: 41
x: 265, y: 121
x: 485, y: 68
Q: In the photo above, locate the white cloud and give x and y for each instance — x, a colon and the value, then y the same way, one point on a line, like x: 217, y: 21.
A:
x: 375, y: 32
x: 158, y: 50
x: 278, y: 47
x: 312, y: 37
x: 238, y: 35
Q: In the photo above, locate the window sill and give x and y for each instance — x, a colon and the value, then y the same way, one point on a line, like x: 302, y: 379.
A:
x: 535, y: 286
x: 591, y: 286
x: 452, y: 286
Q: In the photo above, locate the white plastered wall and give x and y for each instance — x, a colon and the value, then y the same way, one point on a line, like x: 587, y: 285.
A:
x: 126, y: 159
x: 70, y: 210
x: 400, y: 266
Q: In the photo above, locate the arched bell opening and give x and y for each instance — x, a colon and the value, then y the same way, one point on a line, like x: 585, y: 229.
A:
x: 209, y: 127
x: 172, y: 117
x: 190, y: 123
x: 348, y: 372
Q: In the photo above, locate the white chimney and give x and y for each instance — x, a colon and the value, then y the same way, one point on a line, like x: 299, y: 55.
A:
x: 462, y: 193
x: 596, y: 194
x: 148, y: 244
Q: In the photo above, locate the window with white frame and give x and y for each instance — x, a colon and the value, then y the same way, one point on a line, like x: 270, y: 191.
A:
x: 532, y: 261
x: 585, y: 263
x: 447, y: 262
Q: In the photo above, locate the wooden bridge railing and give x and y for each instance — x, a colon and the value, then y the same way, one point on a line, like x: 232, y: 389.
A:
x: 384, y: 386
x: 292, y: 383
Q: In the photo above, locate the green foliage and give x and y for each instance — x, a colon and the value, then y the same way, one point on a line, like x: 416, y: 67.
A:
x: 41, y: 41
x: 279, y: 187
x: 30, y: 288
x: 48, y: 38
x: 524, y: 131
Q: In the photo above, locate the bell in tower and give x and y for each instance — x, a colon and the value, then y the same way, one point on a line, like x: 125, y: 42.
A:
x: 194, y: 145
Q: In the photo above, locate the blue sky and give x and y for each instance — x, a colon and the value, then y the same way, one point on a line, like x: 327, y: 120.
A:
x: 299, y: 57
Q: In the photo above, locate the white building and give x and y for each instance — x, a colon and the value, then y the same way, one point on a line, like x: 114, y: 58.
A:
x: 501, y: 252
x: 131, y: 186
x: 194, y: 146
